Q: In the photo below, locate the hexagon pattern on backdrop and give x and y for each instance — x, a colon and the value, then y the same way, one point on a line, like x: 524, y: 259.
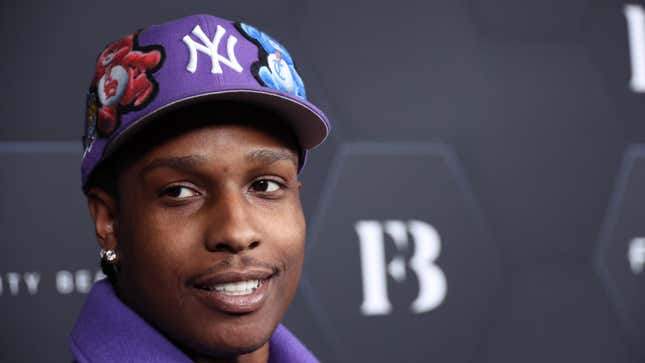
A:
x: 49, y: 255
x: 401, y: 256
x: 620, y: 256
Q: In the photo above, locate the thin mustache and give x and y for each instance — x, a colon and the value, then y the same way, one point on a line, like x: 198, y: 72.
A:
x: 244, y: 262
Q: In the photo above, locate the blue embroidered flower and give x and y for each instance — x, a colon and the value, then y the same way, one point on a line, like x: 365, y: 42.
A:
x: 276, y: 70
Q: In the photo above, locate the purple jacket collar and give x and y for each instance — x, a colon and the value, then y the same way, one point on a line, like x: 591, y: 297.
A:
x: 109, y: 331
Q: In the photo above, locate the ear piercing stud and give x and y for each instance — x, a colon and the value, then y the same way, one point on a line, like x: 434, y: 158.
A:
x: 109, y: 256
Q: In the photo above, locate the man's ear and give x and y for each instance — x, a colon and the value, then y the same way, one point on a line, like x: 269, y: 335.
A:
x: 103, y: 209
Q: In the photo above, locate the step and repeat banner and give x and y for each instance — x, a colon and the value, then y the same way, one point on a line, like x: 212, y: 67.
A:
x: 481, y: 197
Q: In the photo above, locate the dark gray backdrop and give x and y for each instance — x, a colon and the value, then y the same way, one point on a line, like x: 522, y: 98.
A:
x: 507, y: 127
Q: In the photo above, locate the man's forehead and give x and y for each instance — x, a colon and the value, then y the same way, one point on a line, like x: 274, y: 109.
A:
x: 265, y: 156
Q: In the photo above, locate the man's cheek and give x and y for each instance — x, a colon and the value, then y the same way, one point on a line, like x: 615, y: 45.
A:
x: 295, y: 257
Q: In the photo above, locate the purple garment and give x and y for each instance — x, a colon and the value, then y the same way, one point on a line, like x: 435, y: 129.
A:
x: 109, y: 331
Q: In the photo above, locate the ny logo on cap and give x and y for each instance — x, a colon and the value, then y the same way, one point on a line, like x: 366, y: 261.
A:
x: 210, y: 48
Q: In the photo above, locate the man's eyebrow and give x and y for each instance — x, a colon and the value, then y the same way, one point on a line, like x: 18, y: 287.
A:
x: 271, y: 156
x: 187, y: 162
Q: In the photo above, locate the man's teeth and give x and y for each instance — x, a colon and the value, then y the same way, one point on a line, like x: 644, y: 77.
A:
x: 237, y: 288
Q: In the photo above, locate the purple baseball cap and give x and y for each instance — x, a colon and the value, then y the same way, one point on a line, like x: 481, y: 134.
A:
x: 193, y: 59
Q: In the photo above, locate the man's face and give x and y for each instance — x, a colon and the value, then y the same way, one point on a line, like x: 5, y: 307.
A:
x: 210, y: 237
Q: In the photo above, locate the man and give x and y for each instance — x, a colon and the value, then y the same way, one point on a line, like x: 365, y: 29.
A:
x: 192, y: 154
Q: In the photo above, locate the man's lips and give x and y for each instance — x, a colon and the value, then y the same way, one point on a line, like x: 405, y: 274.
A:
x: 231, y: 276
x: 234, y: 291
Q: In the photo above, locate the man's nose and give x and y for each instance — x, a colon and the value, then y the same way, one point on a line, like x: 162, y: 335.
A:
x: 232, y: 228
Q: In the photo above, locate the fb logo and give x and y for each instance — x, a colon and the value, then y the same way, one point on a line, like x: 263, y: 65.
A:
x: 210, y: 48
x: 636, y: 29
x: 636, y: 255
x: 427, y: 246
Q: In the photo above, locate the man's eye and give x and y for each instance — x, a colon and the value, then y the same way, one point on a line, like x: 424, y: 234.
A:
x: 179, y: 192
x: 265, y: 186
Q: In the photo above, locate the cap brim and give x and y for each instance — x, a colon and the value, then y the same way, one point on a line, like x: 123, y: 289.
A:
x: 308, y: 122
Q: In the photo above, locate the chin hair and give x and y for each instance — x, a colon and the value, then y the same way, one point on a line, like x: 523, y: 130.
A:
x: 224, y: 352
